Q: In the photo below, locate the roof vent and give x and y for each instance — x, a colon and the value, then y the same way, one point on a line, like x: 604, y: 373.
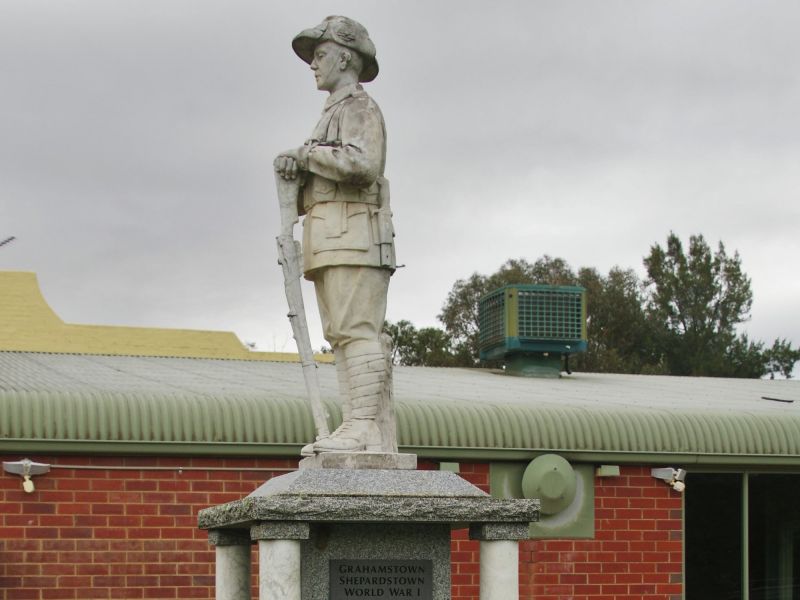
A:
x: 530, y: 327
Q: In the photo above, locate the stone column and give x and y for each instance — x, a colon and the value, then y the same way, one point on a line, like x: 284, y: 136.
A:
x: 279, y: 558
x: 499, y: 558
x: 232, y: 563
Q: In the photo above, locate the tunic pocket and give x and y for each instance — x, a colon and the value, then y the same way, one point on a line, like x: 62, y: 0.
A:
x: 316, y: 190
x: 340, y: 226
x: 323, y: 189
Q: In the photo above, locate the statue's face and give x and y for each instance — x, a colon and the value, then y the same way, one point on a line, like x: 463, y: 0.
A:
x: 328, y: 66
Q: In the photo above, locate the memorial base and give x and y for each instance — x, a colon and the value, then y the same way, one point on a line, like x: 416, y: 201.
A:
x: 368, y: 533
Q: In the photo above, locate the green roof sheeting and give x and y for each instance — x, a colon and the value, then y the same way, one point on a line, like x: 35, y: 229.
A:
x: 84, y: 403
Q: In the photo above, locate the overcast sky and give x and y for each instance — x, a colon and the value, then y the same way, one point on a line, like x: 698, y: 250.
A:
x: 136, y: 142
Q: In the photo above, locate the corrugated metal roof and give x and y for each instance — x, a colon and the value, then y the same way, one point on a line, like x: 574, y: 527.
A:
x: 441, y: 412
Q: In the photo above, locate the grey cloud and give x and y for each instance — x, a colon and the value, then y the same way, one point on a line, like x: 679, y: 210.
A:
x: 136, y: 141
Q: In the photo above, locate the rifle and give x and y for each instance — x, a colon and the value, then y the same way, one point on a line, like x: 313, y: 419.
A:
x: 289, y: 259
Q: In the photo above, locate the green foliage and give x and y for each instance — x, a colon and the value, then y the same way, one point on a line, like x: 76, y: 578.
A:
x: 680, y: 321
x: 616, y: 323
x: 781, y: 358
x: 426, y: 347
x: 742, y: 358
x: 695, y: 301
x: 403, y: 335
x: 619, y: 334
x: 460, y: 311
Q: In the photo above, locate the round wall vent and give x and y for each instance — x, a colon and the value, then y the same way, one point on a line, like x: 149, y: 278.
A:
x: 551, y: 479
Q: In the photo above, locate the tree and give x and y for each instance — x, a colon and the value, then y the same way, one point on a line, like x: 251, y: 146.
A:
x: 617, y: 328
x: 781, y: 358
x: 681, y: 321
x: 620, y: 338
x: 460, y: 311
x: 695, y: 301
x: 403, y: 335
x: 743, y: 358
x: 433, y: 348
x: 426, y: 347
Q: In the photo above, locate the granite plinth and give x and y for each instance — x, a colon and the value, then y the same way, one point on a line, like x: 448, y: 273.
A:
x: 360, y: 460
x: 499, y: 531
x: 368, y: 482
x: 229, y: 537
x: 396, y: 496
x: 280, y: 530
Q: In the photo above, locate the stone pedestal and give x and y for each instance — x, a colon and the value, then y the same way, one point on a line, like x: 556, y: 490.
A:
x: 327, y: 533
x: 360, y: 460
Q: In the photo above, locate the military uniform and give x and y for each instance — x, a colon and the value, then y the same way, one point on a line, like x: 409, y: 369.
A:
x: 348, y: 219
x: 348, y: 249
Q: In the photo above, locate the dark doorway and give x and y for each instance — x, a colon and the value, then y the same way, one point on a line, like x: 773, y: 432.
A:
x: 774, y: 537
x: 713, y: 538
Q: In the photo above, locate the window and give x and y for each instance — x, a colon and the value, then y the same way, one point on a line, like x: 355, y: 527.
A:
x: 742, y: 536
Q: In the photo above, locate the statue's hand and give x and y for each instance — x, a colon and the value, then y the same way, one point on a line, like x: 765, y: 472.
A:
x: 288, y: 164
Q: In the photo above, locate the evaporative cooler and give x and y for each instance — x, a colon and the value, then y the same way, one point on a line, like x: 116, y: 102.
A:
x: 530, y: 327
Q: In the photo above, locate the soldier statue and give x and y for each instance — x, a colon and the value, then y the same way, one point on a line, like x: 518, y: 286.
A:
x: 348, y: 249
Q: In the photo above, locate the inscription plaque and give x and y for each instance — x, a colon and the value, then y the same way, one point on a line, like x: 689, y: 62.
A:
x: 384, y: 579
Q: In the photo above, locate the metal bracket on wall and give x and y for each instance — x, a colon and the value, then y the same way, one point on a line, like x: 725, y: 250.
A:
x: 26, y: 469
x: 672, y: 477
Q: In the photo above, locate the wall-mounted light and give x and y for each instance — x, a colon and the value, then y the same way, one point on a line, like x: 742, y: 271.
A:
x: 673, y: 477
x: 26, y: 469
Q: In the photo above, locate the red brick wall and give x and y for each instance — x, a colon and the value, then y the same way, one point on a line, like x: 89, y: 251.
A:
x: 465, y: 553
x: 636, y: 553
x: 133, y: 534
x: 116, y: 533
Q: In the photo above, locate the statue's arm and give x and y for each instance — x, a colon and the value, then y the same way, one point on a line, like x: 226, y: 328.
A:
x: 358, y: 159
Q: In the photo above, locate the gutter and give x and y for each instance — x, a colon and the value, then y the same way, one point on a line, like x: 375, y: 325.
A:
x: 434, y: 453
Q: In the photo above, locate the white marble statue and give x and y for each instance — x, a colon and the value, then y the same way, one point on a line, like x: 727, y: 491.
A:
x: 348, y: 249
